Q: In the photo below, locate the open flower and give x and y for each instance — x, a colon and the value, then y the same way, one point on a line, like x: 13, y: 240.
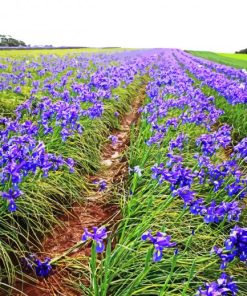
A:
x: 98, y: 235
x: 43, y: 269
x: 160, y: 242
x: 11, y: 195
x: 185, y: 193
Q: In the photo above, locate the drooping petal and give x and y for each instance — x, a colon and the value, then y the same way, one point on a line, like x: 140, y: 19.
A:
x: 100, y: 246
x: 157, y: 255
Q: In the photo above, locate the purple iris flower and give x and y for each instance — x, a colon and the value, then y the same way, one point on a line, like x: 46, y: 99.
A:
x: 177, y: 175
x: 113, y: 139
x: 211, y: 142
x: 43, y: 269
x: 12, y: 206
x: 160, y: 242
x: 98, y: 235
x: 241, y: 149
x: 11, y: 195
x: 102, y: 185
x: 197, y: 207
x: 173, y: 159
x: 186, y: 194
x: 17, y: 90
x: 214, y: 213
x: 156, y: 139
x: 136, y: 169
x: 70, y: 163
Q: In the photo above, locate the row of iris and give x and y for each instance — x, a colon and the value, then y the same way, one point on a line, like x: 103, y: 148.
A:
x: 182, y: 181
x: 234, y: 90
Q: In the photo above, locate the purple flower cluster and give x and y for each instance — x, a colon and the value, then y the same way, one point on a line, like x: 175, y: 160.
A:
x: 234, y: 247
x: 210, y: 143
x: 157, y: 138
x: 223, y: 286
x: 178, y: 142
x: 171, y: 91
x: 214, y: 213
x: 220, y: 174
x: 230, y: 72
x: 22, y: 156
x: 177, y: 175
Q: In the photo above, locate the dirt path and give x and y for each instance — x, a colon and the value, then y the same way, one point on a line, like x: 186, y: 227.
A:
x: 98, y: 209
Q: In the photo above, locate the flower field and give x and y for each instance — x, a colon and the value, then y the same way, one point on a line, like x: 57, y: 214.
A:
x: 160, y: 136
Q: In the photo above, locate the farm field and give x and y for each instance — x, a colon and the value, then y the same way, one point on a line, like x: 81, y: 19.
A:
x: 123, y: 172
x: 230, y: 59
x: 15, y: 53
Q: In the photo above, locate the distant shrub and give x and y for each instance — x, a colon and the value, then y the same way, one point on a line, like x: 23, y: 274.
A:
x: 242, y: 51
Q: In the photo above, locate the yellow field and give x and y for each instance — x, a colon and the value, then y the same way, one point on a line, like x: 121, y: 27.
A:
x: 58, y: 52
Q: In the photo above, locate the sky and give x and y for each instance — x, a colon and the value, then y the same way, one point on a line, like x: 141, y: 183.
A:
x: 213, y: 25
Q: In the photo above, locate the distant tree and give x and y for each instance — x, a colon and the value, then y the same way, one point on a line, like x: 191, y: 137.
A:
x: 242, y: 51
x: 6, y: 40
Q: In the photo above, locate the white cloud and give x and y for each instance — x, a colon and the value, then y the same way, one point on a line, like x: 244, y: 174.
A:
x: 217, y: 25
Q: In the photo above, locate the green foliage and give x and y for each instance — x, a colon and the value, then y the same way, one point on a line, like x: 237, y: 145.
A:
x: 10, y: 41
x: 242, y: 51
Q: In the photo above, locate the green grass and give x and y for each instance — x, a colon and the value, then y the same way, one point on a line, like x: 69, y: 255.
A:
x: 234, y: 60
x: 240, y: 56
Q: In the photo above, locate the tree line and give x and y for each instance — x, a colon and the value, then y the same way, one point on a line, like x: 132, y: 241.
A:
x: 8, y: 41
x: 242, y: 51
